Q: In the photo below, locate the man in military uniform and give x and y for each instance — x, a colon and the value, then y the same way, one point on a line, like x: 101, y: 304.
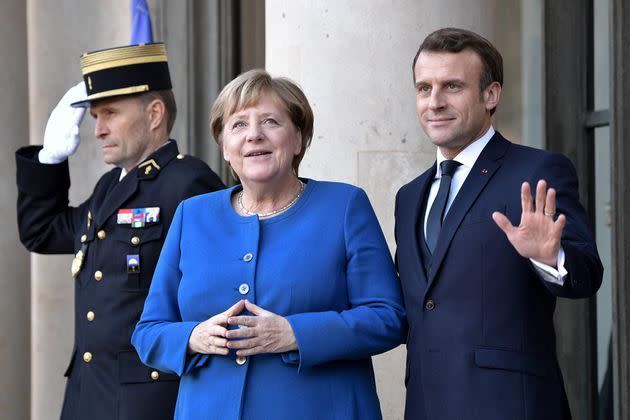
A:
x: 116, y: 235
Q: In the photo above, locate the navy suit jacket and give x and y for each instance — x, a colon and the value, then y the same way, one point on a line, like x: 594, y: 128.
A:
x: 481, y: 342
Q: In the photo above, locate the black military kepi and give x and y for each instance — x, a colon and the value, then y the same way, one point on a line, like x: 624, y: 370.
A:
x: 124, y: 71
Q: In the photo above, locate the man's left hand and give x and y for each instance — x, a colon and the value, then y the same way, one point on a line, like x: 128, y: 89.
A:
x: 265, y: 332
x: 538, y: 235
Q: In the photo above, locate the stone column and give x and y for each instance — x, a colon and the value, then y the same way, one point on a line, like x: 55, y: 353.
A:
x: 353, y: 60
x: 58, y: 32
x: 14, y: 260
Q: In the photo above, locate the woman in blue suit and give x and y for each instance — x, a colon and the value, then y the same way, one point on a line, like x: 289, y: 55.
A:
x: 270, y: 297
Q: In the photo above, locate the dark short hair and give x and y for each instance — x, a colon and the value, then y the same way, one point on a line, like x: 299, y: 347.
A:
x: 167, y: 97
x: 247, y: 89
x: 455, y: 40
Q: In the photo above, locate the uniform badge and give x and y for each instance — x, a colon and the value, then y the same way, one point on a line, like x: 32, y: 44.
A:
x: 133, y: 263
x: 148, y: 169
x: 77, y: 262
x: 124, y: 217
x: 152, y: 214
x: 138, y: 217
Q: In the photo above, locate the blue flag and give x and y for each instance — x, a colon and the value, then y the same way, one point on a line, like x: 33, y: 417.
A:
x: 141, y: 31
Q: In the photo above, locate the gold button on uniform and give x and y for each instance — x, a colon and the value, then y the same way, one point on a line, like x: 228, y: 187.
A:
x: 83, y: 238
x: 87, y: 357
x: 240, y: 360
x: 101, y: 234
x: 135, y: 240
x: 155, y: 375
x: 90, y: 316
x: 180, y: 156
x: 98, y: 275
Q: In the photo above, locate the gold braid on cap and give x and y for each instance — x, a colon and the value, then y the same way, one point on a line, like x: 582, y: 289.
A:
x: 123, y: 56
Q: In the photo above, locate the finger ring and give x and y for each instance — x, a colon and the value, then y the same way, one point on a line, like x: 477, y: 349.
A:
x: 549, y: 214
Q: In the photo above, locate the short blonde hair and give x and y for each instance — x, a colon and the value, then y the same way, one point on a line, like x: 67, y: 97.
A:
x: 247, y: 89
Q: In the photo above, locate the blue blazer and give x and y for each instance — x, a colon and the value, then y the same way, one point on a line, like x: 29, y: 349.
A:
x: 481, y: 341
x: 323, y: 264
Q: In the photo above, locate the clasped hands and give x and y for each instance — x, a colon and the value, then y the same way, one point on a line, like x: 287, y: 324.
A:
x: 539, y: 232
x: 261, y: 332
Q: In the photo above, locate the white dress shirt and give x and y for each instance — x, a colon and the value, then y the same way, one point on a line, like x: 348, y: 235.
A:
x: 467, y: 158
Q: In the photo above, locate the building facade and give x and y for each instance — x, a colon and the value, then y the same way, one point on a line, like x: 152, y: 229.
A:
x: 566, y: 89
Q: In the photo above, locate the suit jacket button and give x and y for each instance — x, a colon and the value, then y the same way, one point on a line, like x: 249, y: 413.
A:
x: 98, y: 275
x: 429, y: 305
x: 155, y: 375
x: 240, y: 360
x: 83, y: 238
x: 87, y: 357
x: 101, y: 234
x: 90, y: 316
x: 243, y: 289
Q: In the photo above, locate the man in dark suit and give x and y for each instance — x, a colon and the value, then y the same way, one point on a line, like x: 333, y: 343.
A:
x: 481, y: 261
x: 118, y: 232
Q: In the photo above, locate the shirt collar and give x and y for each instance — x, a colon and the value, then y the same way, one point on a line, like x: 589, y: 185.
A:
x: 469, y: 155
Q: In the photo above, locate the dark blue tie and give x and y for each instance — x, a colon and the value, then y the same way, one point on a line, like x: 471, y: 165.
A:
x: 436, y: 214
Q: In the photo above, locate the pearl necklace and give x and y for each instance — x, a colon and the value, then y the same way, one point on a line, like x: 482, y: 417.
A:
x: 239, y: 200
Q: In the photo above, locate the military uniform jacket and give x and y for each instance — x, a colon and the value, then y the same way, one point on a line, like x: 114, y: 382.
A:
x: 118, y: 235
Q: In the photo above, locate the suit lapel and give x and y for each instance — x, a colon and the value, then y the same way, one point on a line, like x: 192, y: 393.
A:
x: 126, y: 188
x: 482, y: 171
x: 413, y: 204
x: 117, y: 196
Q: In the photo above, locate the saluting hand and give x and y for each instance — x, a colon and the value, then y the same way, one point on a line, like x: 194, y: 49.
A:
x: 538, y: 235
x: 209, y: 336
x: 265, y: 332
x: 61, y: 138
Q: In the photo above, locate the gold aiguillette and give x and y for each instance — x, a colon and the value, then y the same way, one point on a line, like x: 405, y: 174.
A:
x: 77, y: 261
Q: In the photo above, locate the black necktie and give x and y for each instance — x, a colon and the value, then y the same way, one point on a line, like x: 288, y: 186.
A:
x: 436, y: 214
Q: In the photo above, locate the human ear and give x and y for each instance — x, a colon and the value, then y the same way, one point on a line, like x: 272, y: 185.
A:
x: 156, y: 111
x: 492, y: 95
x: 298, y: 146
x: 226, y: 154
